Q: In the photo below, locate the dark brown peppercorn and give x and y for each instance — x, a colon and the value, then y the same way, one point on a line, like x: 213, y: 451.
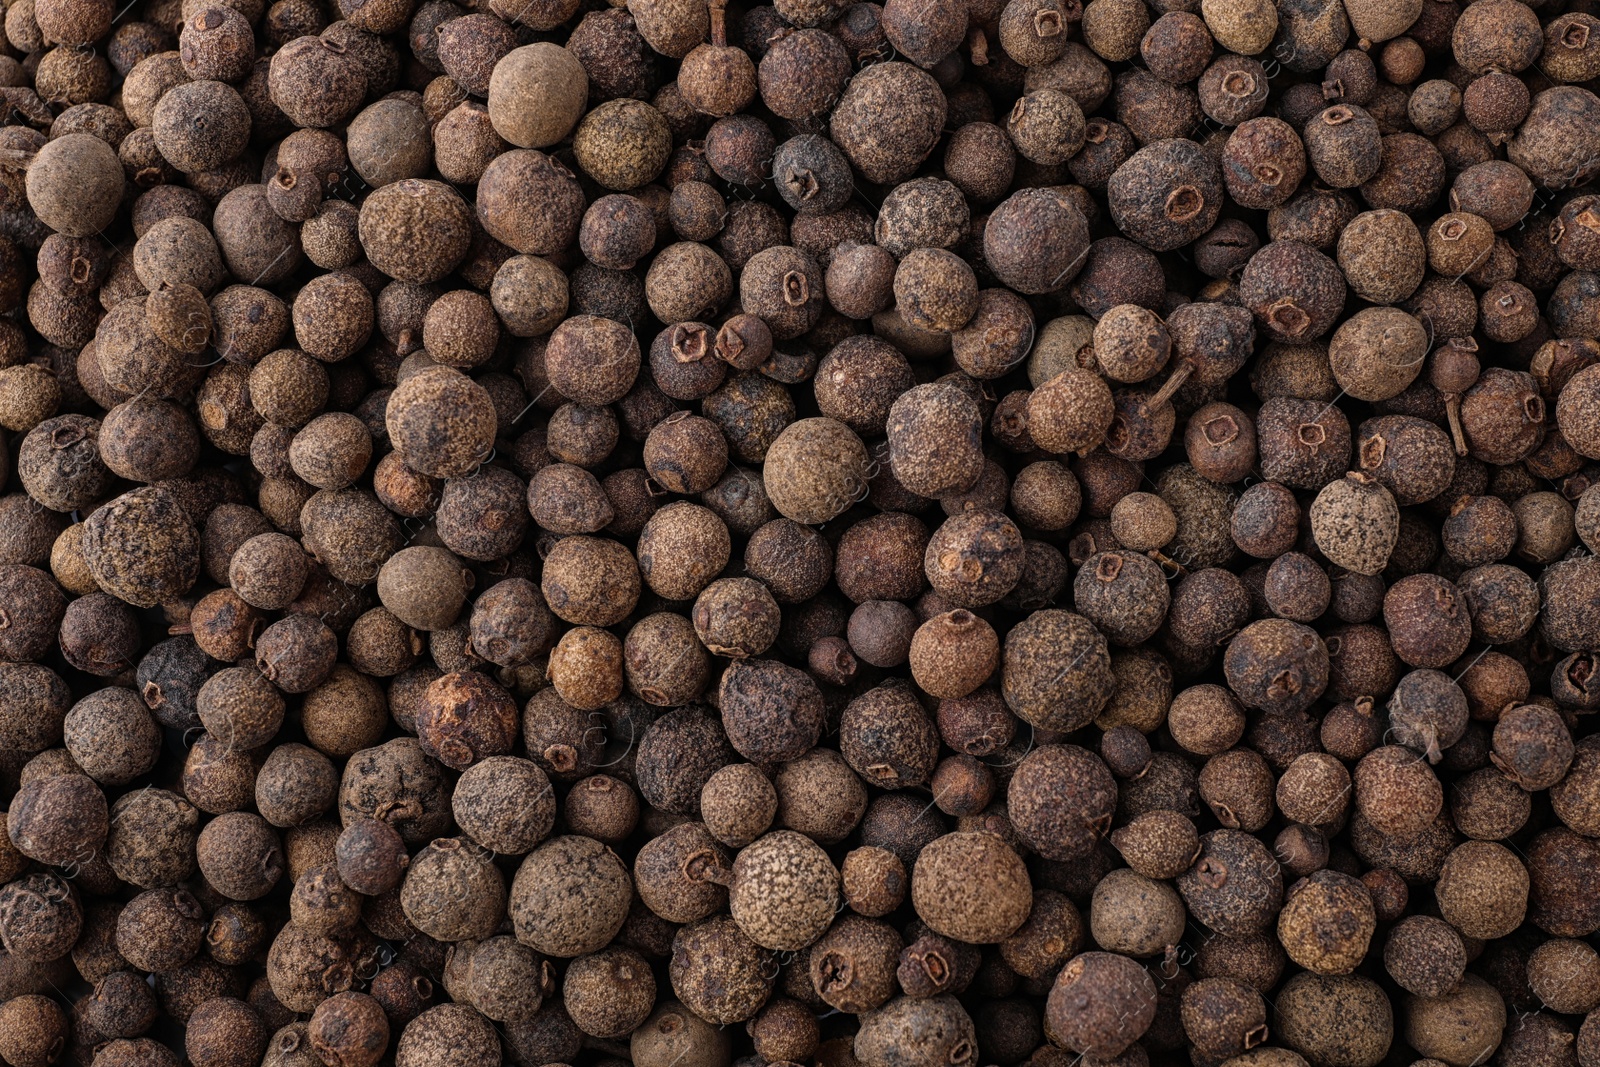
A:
x: 772, y: 713
x: 1036, y: 241
x: 465, y: 717
x: 1115, y: 1002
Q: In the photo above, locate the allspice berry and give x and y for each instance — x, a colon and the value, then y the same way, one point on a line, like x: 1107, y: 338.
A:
x: 1482, y: 889
x: 1135, y: 915
x: 1101, y: 1003
x: 1355, y: 523
x: 349, y: 1029
x: 934, y: 434
x: 570, y: 897
x: 1071, y: 412
x: 796, y: 525
x: 738, y: 804
x: 719, y: 972
x: 1326, y: 922
x: 1425, y: 956
x: 920, y: 1030
x: 784, y: 891
x: 1224, y: 1016
x: 972, y: 887
x: 441, y: 422
x: 815, y: 470
x: 875, y: 881
x: 1321, y: 1014
x: 537, y: 94
x: 953, y: 654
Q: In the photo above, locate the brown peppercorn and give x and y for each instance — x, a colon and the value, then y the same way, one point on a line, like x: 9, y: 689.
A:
x: 1124, y: 594
x: 1560, y: 972
x: 1177, y: 175
x: 610, y: 993
x: 99, y: 634
x: 685, y: 453
x: 1158, y: 844
x: 784, y: 287
x: 160, y: 929
x: 1071, y: 412
x: 441, y: 422
x: 240, y: 707
x: 681, y: 548
x: 719, y: 972
x: 975, y: 558
x: 1355, y: 523
x: 860, y: 280
x: 1428, y: 712
x: 425, y: 587
x: 1277, y: 665
x: 586, y: 667
x: 295, y: 785
x: 1101, y: 1002
x: 603, y: 808
x: 1487, y: 806
x: 349, y: 1030
x: 784, y: 891
x: 452, y: 891
x: 1425, y: 956
x: 74, y: 184
x: 1036, y: 241
x: 889, y: 121
x: 464, y: 717
x: 240, y: 855
x: 815, y: 470
x: 1482, y: 889
x: 771, y: 712
x: 1061, y: 825
x: 819, y: 795
x: 316, y: 81
x: 935, y: 290
x: 59, y: 463
x: 415, y: 230
x: 1135, y: 915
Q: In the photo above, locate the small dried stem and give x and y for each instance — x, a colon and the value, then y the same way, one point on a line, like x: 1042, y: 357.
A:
x: 719, y: 22
x: 1174, y: 383
x: 1452, y: 409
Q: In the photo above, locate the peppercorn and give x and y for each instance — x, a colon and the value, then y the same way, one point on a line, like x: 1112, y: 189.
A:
x: 719, y: 972
x: 1101, y: 1002
x: 452, y: 891
x: 818, y: 795
x: 1036, y: 241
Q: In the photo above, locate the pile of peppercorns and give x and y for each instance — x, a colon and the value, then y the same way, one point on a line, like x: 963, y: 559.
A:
x: 950, y: 533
